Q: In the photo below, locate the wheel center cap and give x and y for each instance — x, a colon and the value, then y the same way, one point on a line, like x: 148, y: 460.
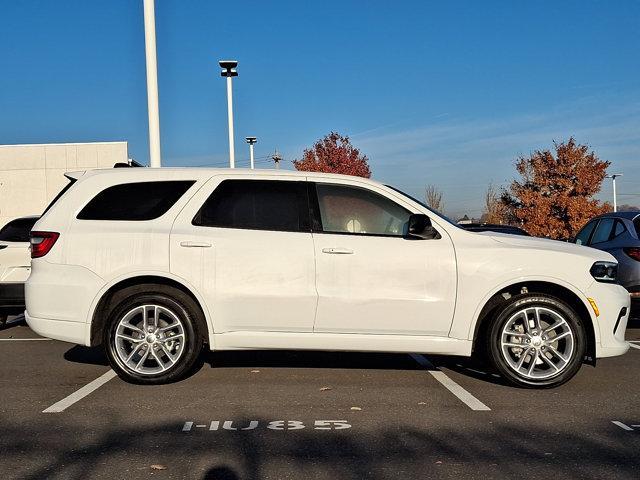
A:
x: 151, y: 338
x: 536, y: 341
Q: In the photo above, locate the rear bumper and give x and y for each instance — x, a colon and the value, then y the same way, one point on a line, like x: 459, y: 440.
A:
x: 11, y: 297
x: 58, y: 300
x: 73, y: 332
x: 634, y: 291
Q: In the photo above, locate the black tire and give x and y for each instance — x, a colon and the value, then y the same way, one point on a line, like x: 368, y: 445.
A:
x: 3, y: 319
x: 171, y: 299
x: 498, y: 355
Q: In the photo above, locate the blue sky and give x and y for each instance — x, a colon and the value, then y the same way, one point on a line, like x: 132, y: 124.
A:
x: 444, y: 93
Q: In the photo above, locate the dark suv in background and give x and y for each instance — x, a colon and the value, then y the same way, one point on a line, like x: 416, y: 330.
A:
x: 619, y: 234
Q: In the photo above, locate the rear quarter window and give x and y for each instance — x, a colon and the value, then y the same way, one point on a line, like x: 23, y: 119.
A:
x: 135, y: 201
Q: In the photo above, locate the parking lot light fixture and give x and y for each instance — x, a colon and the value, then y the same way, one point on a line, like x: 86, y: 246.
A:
x: 251, y: 141
x: 229, y: 71
x: 615, y: 199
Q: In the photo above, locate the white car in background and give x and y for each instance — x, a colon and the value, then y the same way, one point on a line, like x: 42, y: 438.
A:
x: 156, y: 263
x: 15, y: 265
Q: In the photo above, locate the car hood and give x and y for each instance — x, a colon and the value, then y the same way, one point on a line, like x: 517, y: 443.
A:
x: 550, y: 245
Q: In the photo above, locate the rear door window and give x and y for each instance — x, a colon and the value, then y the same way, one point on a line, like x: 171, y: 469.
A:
x: 135, y: 201
x: 17, y: 230
x: 603, y: 231
x: 257, y: 205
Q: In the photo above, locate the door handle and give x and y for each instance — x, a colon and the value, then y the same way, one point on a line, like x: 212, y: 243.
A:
x: 337, y: 251
x: 195, y: 244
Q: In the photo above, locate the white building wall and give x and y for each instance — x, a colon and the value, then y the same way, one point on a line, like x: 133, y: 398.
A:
x: 31, y: 175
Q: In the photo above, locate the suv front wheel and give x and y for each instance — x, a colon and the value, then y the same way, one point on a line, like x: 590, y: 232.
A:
x: 152, y: 337
x: 537, y: 341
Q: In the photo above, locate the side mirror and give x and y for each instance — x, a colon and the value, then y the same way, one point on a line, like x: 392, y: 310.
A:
x: 420, y: 227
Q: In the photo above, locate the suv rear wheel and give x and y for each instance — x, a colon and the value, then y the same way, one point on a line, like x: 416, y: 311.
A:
x: 152, y: 336
x: 537, y: 341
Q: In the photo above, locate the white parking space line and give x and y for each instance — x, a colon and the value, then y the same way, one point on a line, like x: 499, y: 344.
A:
x: 78, y: 395
x: 464, y: 396
x: 633, y: 345
x: 25, y: 339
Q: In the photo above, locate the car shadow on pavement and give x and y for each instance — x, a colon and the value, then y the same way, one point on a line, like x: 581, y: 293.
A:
x: 114, y: 449
x: 470, y: 367
x: 310, y: 359
x: 86, y: 355
x: 13, y: 322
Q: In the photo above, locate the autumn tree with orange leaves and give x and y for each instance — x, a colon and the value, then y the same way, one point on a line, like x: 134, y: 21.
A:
x: 554, y: 198
x: 334, y: 154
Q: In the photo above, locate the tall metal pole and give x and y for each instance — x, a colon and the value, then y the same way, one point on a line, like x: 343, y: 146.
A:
x: 229, y: 71
x: 232, y: 154
x: 251, y: 141
x: 613, y: 177
x: 152, y: 82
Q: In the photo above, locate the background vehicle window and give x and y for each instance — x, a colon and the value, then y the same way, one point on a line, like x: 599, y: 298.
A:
x: 135, y: 201
x: 619, y: 228
x: 345, y: 209
x: 258, y: 205
x: 17, y: 230
x: 583, y: 235
x: 603, y: 231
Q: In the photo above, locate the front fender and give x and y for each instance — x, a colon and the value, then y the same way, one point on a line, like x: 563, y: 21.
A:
x: 464, y: 330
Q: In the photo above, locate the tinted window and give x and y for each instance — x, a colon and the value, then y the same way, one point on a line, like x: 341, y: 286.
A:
x: 345, y: 209
x: 258, y: 205
x: 619, y: 228
x: 134, y: 201
x: 17, y: 230
x: 636, y: 224
x: 603, y: 231
x: 583, y: 235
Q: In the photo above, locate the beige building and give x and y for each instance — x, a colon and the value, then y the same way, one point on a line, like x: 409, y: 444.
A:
x: 31, y: 175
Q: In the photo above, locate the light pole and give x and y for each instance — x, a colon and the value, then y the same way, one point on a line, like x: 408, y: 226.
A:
x: 251, y: 141
x: 152, y: 82
x: 615, y: 198
x: 276, y: 157
x: 229, y: 71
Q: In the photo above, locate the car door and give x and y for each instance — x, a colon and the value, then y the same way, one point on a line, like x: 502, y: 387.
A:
x: 370, y: 277
x: 246, y: 245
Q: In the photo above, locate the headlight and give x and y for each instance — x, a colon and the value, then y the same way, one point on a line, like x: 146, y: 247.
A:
x: 604, y: 271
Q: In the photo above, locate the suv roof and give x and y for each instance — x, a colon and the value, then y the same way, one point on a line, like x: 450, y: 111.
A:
x: 627, y: 215
x: 207, y: 172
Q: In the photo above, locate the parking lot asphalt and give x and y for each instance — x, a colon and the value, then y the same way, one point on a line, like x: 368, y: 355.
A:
x: 324, y: 415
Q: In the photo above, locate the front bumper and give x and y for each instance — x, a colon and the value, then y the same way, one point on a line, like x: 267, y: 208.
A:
x: 609, y: 327
x: 11, y: 297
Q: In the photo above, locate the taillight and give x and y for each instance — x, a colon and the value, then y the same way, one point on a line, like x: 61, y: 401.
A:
x: 42, y: 242
x: 633, y: 252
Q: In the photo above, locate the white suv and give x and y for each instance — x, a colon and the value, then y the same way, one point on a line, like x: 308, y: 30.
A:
x: 15, y: 265
x: 156, y: 263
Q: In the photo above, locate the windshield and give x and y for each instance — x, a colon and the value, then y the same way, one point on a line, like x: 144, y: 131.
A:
x: 444, y: 217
